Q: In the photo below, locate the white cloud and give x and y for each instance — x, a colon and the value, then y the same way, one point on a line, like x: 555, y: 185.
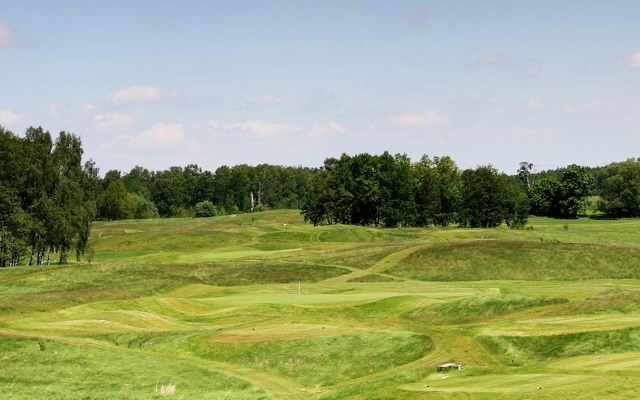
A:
x: 263, y: 129
x: 524, y: 131
x: 111, y: 121
x: 534, y: 70
x: 416, y: 17
x: 7, y: 35
x: 8, y: 117
x: 634, y: 60
x: 417, y: 120
x: 270, y: 100
x: 533, y: 104
x: 321, y: 132
x: 159, y: 135
x: 494, y: 59
x: 55, y: 109
x: 138, y: 94
x: 593, y: 106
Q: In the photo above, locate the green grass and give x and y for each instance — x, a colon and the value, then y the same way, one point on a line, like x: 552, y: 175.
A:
x: 520, y: 260
x: 213, y: 308
x: 61, y: 370
x: 479, y: 308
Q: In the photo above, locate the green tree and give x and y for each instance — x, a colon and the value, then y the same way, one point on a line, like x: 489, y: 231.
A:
x: 517, y: 208
x: 73, y: 198
x: 12, y: 230
x: 564, y: 198
x: 115, y: 203
x: 487, y: 198
x: 577, y: 183
x: 367, y: 191
x: 50, y: 193
x: 525, y: 174
x: 169, y: 192
x: 437, y: 190
x: 243, y: 185
x: 142, y: 208
x: 223, y: 196
x: 138, y: 180
x: 620, y: 193
x: 397, y: 206
x: 544, y: 197
x: 449, y: 188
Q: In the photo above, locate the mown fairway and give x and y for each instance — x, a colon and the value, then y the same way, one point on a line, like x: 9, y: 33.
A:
x: 214, y: 309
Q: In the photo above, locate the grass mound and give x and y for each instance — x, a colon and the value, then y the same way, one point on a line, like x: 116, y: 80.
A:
x: 66, y: 371
x: 372, y: 278
x: 519, y: 260
x: 567, y: 345
x: 323, y: 361
x: 481, y: 308
x: 611, y: 300
x: 213, y: 308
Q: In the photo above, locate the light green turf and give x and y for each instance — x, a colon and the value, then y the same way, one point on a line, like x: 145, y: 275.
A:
x: 629, y: 362
x: 507, y: 383
x: 214, y: 309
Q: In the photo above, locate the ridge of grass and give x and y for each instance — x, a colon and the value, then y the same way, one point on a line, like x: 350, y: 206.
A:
x: 263, y: 306
x: 479, y: 308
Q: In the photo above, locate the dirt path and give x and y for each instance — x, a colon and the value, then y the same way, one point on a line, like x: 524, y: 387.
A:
x: 379, y: 268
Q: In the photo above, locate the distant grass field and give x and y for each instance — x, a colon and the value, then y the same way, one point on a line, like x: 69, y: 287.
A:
x: 263, y: 306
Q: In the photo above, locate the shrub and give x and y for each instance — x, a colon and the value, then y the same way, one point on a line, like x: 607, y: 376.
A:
x: 205, y: 209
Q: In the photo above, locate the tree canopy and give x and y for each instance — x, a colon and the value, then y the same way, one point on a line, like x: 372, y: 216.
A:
x: 47, y: 197
x: 620, y: 194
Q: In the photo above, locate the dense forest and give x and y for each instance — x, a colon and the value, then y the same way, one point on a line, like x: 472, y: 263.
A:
x: 48, y: 197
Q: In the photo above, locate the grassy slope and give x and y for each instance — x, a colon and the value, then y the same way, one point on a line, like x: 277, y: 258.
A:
x: 214, y: 307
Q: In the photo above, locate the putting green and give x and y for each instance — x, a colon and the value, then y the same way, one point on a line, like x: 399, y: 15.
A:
x: 232, y: 253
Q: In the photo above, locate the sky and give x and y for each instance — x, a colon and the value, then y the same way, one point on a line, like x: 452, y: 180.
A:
x: 292, y: 82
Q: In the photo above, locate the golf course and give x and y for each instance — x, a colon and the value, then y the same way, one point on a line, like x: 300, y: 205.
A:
x: 264, y: 306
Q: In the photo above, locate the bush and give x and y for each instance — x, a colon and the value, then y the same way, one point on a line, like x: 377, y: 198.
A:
x: 205, y: 209
x: 143, y: 208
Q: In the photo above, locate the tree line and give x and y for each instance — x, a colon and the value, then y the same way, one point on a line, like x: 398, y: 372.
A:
x: 193, y: 192
x: 49, y: 197
x: 46, y: 197
x: 377, y: 190
x: 392, y: 191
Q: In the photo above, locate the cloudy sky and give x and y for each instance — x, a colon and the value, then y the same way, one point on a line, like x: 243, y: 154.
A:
x: 291, y: 82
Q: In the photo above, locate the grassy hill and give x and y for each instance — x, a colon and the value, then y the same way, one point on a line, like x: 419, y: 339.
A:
x: 263, y: 306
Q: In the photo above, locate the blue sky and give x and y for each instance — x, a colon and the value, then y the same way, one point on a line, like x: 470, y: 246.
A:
x: 164, y: 83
